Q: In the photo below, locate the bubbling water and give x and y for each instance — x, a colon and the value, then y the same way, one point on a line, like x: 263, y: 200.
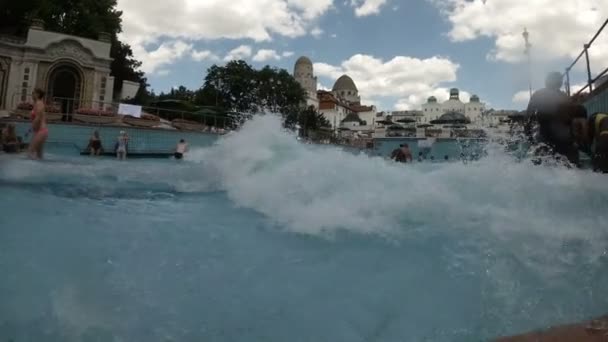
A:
x: 511, y: 238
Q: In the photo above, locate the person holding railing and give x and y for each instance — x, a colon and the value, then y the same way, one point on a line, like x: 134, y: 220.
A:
x: 553, y: 111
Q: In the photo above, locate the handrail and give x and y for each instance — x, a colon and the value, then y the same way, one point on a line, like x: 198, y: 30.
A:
x: 585, y: 52
x: 69, y: 106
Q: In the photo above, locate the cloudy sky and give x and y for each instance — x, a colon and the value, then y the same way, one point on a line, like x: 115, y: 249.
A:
x: 399, y: 52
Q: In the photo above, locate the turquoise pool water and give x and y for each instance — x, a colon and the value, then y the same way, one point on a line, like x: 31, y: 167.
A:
x: 260, y: 238
x: 76, y: 137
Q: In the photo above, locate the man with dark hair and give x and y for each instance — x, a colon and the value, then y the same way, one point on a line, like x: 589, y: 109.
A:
x: 553, y: 111
x: 402, y: 154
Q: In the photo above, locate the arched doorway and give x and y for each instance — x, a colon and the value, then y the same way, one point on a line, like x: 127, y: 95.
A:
x: 64, y: 87
x: 4, y: 71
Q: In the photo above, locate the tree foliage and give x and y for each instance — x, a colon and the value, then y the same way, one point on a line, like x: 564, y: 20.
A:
x: 238, y: 87
x: 307, y: 120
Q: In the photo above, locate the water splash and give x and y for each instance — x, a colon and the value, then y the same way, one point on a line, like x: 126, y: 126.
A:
x: 512, y: 237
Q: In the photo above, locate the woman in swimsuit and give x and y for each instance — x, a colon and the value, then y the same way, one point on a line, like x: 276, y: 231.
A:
x: 95, y: 144
x: 122, y: 145
x: 41, y: 132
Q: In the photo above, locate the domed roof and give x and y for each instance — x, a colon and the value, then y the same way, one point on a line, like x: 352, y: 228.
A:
x: 454, y: 91
x: 474, y: 98
x: 345, y: 83
x: 432, y: 99
x: 452, y: 118
x: 303, y: 61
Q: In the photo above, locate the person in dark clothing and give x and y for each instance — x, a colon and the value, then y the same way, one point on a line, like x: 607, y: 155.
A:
x: 402, y: 154
x: 397, y: 155
x: 95, y: 147
x: 598, y: 139
x: 553, y: 113
x: 10, y: 141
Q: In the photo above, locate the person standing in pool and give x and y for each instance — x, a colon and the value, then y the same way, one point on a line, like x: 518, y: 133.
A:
x: 122, y: 144
x: 39, y: 128
x: 398, y: 155
x: 180, y: 149
x: 405, y: 148
x: 95, y: 147
x: 10, y: 140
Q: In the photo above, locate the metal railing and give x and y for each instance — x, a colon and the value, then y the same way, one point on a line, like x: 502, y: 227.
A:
x: 590, y: 80
x: 69, y: 106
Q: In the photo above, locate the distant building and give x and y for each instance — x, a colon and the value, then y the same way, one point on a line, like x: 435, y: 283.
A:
x: 498, y: 117
x: 338, y: 103
x: 304, y: 73
x: 74, y: 71
x: 332, y: 108
x: 473, y: 110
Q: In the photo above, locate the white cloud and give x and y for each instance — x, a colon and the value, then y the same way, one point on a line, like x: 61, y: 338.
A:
x: 411, y: 79
x: 174, y: 22
x: 316, y: 32
x: 287, y: 54
x: 145, y: 21
x: 367, y: 7
x: 333, y: 35
x: 557, y: 28
x: 264, y: 55
x: 162, y: 72
x: 204, y: 55
x: 166, y: 53
x: 521, y: 97
x: 321, y: 86
x: 241, y: 52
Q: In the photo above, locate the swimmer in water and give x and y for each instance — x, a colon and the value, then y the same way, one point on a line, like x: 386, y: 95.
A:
x: 95, y: 147
x: 39, y: 128
x: 121, y: 145
x: 10, y: 141
x: 181, y: 149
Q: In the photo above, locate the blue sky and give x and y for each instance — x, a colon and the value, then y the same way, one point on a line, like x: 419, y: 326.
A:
x: 397, y: 52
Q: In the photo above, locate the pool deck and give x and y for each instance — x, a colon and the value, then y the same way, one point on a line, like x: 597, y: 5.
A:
x: 591, y: 331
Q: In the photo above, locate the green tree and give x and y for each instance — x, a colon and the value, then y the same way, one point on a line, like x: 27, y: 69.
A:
x: 307, y: 120
x: 238, y: 87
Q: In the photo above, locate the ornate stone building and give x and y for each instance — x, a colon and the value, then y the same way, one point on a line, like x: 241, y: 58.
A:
x: 473, y: 110
x: 74, y: 71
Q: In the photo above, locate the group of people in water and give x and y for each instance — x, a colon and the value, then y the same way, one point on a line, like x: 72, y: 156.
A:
x: 11, y: 143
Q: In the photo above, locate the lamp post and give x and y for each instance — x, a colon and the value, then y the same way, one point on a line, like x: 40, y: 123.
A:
x: 526, y: 36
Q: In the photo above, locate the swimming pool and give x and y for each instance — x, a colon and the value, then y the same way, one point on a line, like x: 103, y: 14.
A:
x: 260, y: 238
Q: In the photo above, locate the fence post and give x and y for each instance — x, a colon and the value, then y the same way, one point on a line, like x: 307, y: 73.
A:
x: 588, y: 68
x: 568, y: 81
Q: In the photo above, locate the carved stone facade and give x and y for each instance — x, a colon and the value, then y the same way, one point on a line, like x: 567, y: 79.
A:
x: 73, y: 71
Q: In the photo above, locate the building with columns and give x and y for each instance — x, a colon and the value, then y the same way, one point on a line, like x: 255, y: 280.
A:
x: 473, y: 110
x: 74, y: 71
